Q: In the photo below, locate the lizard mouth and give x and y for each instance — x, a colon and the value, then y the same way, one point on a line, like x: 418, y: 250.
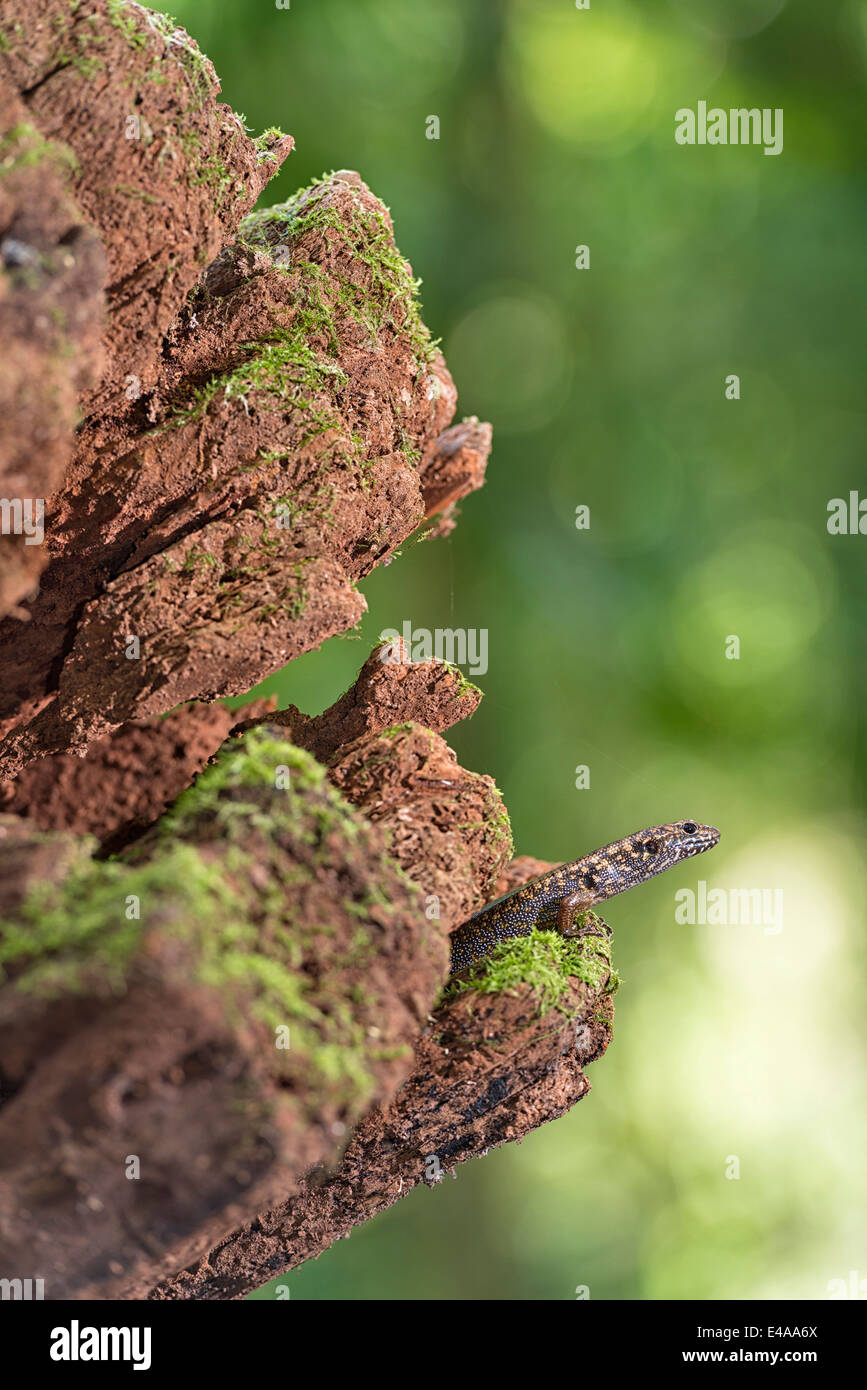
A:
x: 705, y: 839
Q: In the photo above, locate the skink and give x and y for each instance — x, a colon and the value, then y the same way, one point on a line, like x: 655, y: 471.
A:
x: 555, y: 898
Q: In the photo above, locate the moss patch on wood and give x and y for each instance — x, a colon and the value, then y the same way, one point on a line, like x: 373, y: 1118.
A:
x: 299, y: 361
x: 23, y: 146
x: 546, y: 961
x: 240, y: 920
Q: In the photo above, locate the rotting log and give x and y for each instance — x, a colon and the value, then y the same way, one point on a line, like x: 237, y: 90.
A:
x: 495, y: 1061
x: 236, y: 415
x: 155, y: 1038
x: 272, y: 419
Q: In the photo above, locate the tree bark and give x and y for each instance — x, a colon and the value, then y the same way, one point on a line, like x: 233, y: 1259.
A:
x: 487, y: 1070
x: 264, y: 431
x: 224, y: 937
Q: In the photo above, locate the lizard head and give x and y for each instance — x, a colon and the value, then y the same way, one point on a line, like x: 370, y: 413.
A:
x: 662, y: 846
x: 644, y: 855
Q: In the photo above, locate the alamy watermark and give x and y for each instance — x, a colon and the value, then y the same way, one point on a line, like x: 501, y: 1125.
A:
x: 738, y: 126
x: 853, y: 1287
x: 731, y: 907
x: 23, y: 516
x: 23, y: 1289
x: 847, y: 518
x: 77, y: 1343
x: 457, y: 646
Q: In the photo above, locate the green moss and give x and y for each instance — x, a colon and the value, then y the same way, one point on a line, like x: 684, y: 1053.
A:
x: 123, y: 18
x: 284, y: 368
x: 502, y: 829
x: 267, y: 456
x: 497, y: 825
x: 214, y: 173
x: 10, y: 35
x: 391, y: 298
x: 249, y: 763
x: 231, y: 915
x: 23, y: 146
x: 265, y: 140
x: 390, y: 1054
x: 296, y: 367
x: 74, y: 46
x: 66, y: 936
x: 193, y: 62
x: 88, y: 64
x: 142, y: 28
x: 288, y: 509
x: 130, y: 192
x: 199, y: 559
x: 548, y: 962
x: 465, y: 686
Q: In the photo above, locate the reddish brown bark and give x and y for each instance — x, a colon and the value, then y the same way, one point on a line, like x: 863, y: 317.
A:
x: 488, y: 1070
x: 263, y: 421
x: 197, y: 542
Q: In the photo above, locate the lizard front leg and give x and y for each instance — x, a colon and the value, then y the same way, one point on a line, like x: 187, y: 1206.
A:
x: 572, y: 904
x: 575, y: 904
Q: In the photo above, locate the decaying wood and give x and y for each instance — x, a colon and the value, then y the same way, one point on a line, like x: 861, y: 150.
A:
x: 266, y: 430
x: 263, y: 420
x: 488, y: 1069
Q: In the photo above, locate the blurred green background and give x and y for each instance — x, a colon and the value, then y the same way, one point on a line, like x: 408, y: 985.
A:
x: 607, y: 646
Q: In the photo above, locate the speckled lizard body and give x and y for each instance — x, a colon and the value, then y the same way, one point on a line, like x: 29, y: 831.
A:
x: 555, y: 898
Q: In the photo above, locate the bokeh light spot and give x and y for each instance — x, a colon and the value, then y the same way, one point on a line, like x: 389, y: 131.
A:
x: 511, y: 356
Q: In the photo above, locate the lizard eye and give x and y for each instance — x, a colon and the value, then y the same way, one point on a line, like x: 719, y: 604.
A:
x: 651, y: 847
x: 689, y: 827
